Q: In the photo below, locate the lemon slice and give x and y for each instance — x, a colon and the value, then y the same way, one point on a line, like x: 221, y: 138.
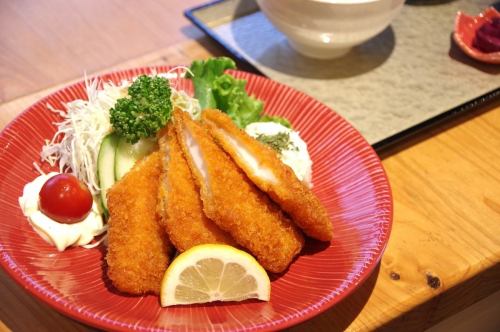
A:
x: 213, y: 272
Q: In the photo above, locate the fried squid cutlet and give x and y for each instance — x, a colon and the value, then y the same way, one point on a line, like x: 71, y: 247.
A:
x: 232, y: 201
x: 179, y: 203
x: 263, y: 166
x: 138, y: 248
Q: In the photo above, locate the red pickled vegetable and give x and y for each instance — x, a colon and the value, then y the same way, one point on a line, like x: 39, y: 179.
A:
x: 487, y: 37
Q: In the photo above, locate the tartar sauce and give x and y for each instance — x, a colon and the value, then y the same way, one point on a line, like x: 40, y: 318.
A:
x: 295, y: 154
x: 58, y: 234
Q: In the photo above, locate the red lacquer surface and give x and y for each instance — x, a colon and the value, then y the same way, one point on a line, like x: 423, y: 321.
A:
x: 347, y: 177
x: 465, y: 31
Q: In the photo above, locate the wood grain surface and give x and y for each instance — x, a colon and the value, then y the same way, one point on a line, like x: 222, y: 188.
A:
x: 444, y: 250
x: 40, y: 40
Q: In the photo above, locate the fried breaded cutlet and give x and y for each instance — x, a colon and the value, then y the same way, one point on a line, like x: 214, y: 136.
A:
x: 179, y: 203
x: 233, y: 202
x: 138, y: 249
x: 263, y: 166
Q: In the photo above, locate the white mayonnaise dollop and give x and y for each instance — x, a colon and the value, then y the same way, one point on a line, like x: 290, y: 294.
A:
x: 58, y: 234
x: 296, y: 155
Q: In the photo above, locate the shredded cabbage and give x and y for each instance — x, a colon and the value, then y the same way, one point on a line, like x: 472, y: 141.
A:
x: 183, y: 101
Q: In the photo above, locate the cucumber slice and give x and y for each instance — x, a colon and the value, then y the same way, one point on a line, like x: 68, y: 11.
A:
x: 127, y: 154
x: 106, y: 166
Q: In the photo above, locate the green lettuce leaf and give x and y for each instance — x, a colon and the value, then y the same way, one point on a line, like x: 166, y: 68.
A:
x: 231, y: 98
x: 203, y: 73
x: 216, y: 89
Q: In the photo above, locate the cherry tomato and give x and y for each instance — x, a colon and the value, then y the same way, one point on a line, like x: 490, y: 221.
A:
x: 65, y: 199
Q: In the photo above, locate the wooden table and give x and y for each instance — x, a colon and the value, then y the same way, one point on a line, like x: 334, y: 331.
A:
x: 444, y: 252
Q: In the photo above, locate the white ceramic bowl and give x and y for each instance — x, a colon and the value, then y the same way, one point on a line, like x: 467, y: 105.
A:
x: 327, y: 29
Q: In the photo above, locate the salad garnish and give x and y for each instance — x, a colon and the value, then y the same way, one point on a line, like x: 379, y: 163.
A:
x: 216, y: 89
x: 75, y: 145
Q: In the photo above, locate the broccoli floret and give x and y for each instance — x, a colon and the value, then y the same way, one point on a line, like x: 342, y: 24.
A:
x: 145, y: 111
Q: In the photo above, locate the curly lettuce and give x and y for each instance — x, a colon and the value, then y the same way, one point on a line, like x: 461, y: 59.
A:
x: 216, y: 89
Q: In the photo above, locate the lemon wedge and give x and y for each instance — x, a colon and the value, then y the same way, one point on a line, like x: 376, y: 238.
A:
x: 213, y: 272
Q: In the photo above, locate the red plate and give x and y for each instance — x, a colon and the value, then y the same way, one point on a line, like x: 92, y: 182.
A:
x: 347, y: 177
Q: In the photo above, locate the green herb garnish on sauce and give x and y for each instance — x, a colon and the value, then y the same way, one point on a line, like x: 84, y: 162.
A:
x: 278, y: 142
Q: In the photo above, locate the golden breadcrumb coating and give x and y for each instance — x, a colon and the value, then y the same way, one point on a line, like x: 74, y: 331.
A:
x: 179, y: 203
x: 138, y: 249
x: 271, y: 175
x: 232, y: 201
